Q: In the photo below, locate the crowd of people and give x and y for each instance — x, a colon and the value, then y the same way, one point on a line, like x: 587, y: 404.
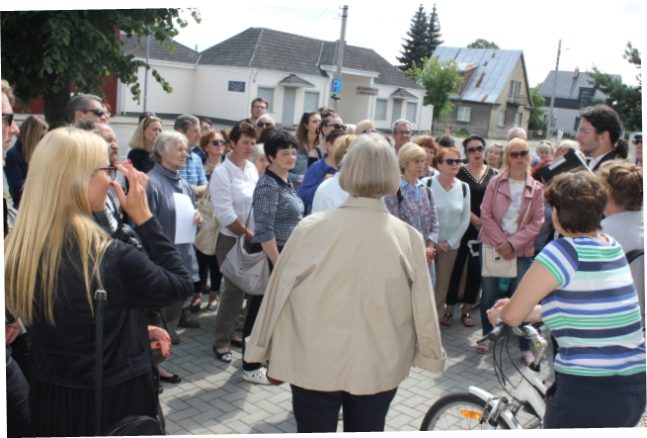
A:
x: 372, y: 241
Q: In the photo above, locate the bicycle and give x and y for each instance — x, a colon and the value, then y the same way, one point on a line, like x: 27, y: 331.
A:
x: 479, y: 409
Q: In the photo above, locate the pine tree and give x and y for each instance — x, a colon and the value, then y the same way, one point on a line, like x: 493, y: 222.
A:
x: 416, y: 46
x: 433, y: 32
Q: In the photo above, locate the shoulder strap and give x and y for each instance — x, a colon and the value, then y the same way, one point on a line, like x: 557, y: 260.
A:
x: 429, y: 181
x: 399, y: 195
x: 634, y: 254
x: 464, y: 187
x: 99, y: 301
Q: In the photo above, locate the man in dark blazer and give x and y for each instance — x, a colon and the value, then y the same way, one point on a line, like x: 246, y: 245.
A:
x: 599, y: 130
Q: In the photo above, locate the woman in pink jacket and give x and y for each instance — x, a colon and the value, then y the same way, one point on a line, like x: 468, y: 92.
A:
x: 512, y: 213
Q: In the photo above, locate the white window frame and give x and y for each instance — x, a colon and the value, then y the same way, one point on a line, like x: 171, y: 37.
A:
x: 501, y: 119
x: 266, y: 93
x: 412, y: 111
x: 381, y: 112
x: 463, y: 114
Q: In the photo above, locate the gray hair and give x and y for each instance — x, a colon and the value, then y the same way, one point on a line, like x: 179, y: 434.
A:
x: 164, y: 142
x: 365, y: 126
x: 517, y: 132
x: 183, y: 122
x: 266, y: 118
x: 370, y: 168
x: 79, y: 102
x: 401, y: 122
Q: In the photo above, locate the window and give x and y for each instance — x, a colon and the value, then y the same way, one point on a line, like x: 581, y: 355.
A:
x: 576, y: 125
x: 501, y: 119
x: 517, y: 119
x: 310, y: 101
x: 412, y: 111
x: 380, y: 109
x: 515, y: 89
x: 463, y: 114
x: 266, y: 93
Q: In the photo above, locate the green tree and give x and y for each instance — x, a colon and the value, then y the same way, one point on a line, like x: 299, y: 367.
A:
x: 482, y: 44
x: 440, y: 80
x: 536, y: 121
x: 434, y: 31
x: 625, y: 99
x: 416, y: 46
x: 49, y: 53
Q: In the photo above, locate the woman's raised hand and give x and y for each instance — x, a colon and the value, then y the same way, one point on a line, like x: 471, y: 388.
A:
x: 135, y: 203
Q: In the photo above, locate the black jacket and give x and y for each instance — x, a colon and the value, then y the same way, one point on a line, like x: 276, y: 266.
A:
x: 64, y: 353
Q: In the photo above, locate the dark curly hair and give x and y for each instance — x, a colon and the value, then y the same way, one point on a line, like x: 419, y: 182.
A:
x: 579, y: 199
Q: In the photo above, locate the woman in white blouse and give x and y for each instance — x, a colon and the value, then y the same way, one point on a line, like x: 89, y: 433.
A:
x: 232, y: 186
x: 452, y: 197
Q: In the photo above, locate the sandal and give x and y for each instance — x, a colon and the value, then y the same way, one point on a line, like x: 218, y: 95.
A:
x: 446, y: 320
x: 467, y: 320
x: 223, y: 357
x: 195, y: 305
x: 483, y: 347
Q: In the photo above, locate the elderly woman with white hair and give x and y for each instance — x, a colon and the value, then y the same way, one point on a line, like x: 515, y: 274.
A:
x: 380, y: 308
x: 165, y: 187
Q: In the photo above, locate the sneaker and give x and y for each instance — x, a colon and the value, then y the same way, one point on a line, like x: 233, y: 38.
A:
x: 258, y: 376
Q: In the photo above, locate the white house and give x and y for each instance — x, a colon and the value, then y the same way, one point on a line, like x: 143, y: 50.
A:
x: 293, y: 73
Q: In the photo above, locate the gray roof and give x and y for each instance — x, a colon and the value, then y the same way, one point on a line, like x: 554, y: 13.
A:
x: 492, y: 69
x: 137, y: 46
x: 401, y: 92
x: 569, y: 84
x: 269, y: 49
x: 295, y: 81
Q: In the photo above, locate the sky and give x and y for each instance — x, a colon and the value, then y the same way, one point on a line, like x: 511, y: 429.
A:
x: 593, y: 33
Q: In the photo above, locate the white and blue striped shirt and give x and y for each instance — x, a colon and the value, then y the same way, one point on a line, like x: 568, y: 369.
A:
x: 594, y: 313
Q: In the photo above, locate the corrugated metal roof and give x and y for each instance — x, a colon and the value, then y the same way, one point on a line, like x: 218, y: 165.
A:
x: 490, y: 70
x: 569, y: 84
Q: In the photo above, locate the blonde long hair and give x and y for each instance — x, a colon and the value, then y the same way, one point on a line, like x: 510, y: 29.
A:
x: 138, y: 141
x: 54, y: 217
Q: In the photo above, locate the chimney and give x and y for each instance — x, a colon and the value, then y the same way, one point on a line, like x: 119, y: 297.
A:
x: 576, y: 73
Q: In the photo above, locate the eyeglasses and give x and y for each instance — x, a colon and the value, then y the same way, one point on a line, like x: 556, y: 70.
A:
x: 8, y: 118
x: 403, y: 133
x: 337, y: 126
x: 475, y: 150
x: 518, y: 154
x: 264, y: 125
x: 452, y: 161
x: 110, y: 170
x: 218, y: 142
x: 96, y: 111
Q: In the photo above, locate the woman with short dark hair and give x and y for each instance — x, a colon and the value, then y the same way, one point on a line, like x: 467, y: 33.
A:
x: 588, y: 300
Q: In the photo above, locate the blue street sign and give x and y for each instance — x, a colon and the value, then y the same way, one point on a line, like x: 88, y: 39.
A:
x: 335, y: 87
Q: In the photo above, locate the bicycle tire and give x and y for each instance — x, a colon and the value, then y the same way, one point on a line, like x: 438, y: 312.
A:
x: 460, y: 411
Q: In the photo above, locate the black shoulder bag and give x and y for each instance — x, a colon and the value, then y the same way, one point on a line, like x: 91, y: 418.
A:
x: 132, y: 425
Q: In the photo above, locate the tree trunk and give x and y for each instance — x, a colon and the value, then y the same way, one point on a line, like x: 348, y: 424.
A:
x: 56, y: 104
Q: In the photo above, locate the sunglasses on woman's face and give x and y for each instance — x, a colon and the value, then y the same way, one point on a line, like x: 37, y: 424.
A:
x: 111, y: 171
x: 452, y: 161
x: 218, y: 142
x: 475, y: 149
x: 518, y: 154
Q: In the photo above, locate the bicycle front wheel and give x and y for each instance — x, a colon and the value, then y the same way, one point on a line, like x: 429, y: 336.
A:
x: 462, y: 411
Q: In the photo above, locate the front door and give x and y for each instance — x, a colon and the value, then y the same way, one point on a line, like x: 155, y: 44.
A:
x: 289, y: 97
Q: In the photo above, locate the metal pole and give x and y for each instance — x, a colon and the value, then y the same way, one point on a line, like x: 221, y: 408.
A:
x: 148, y: 48
x: 552, y: 99
x: 340, y: 50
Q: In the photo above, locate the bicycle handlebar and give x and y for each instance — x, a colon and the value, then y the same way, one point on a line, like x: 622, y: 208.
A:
x: 527, y: 331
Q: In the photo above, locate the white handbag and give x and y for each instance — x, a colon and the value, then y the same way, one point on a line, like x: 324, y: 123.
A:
x: 207, y: 237
x: 249, y: 271
x: 494, y: 265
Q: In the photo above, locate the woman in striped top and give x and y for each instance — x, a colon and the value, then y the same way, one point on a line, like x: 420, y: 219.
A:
x: 588, y: 299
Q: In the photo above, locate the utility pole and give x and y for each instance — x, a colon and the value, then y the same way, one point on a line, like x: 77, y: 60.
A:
x: 148, y: 49
x: 552, y: 98
x: 337, y: 82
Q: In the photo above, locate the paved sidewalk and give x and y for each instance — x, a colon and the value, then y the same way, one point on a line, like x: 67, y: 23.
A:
x: 213, y: 399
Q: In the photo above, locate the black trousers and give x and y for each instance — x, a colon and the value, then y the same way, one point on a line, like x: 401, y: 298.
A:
x: 318, y: 411
x: 18, y: 417
x: 473, y: 280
